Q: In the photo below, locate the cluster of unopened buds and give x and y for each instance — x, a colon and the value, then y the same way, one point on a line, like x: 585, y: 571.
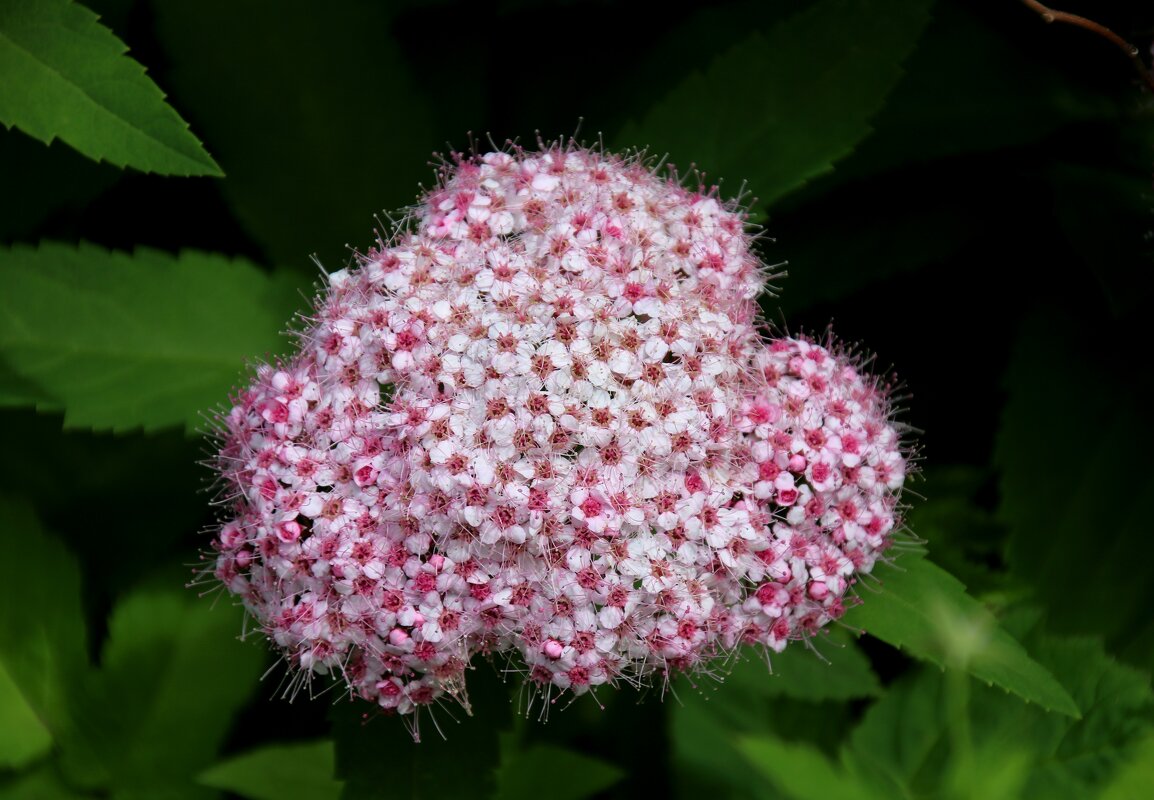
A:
x: 541, y: 421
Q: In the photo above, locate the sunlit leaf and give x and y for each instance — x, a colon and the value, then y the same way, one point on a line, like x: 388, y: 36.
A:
x: 171, y: 678
x: 67, y: 76
x: 23, y: 737
x: 924, y: 609
x: 42, y: 631
x: 906, y: 738
x: 122, y: 341
x: 803, y: 772
x: 798, y: 701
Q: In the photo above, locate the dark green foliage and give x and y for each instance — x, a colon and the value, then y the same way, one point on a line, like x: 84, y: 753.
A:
x: 958, y: 185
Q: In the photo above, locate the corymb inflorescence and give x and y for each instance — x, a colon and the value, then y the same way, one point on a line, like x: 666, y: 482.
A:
x: 541, y: 421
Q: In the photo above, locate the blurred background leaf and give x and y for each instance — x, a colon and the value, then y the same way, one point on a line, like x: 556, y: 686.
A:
x: 1071, y: 544
x: 278, y: 772
x: 316, y: 117
x: 905, y: 738
x: 795, y: 101
x: 527, y: 773
x: 170, y: 680
x: 23, y: 736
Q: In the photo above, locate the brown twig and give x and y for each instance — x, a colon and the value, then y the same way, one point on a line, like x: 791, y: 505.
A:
x: 1050, y: 15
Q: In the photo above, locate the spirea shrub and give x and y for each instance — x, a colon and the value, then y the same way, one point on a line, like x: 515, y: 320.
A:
x: 541, y: 421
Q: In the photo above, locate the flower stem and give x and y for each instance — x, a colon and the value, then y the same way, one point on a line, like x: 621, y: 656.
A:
x: 1050, y: 15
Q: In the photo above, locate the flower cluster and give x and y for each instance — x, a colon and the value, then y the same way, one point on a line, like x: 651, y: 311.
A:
x: 541, y: 421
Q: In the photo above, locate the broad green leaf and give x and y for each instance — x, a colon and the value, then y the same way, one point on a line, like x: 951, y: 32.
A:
x: 278, y: 772
x: 457, y: 755
x: 40, y: 783
x: 317, y: 118
x: 703, y: 748
x: 924, y: 609
x: 803, y: 772
x: 146, y: 340
x: 548, y: 770
x: 779, y: 110
x: 172, y: 675
x: 23, y: 737
x: 67, y: 76
x: 796, y: 702
x: 966, y: 538
x: 828, y: 667
x: 42, y: 632
x: 910, y: 740
x: 43, y: 637
x: 1070, y: 543
x: 1135, y: 778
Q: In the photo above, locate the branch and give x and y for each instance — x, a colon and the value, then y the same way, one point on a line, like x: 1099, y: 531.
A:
x: 1050, y: 15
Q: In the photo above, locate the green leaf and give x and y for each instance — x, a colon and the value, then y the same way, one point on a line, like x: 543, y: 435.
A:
x: 23, y: 737
x: 278, y: 772
x: 43, y: 638
x: 1134, y: 779
x: 42, y: 632
x: 910, y: 739
x: 123, y: 341
x: 924, y: 609
x: 803, y: 772
x: 828, y: 667
x: 796, y: 701
x: 1079, y: 536
x: 317, y: 118
x: 172, y: 675
x: 548, y: 770
x: 67, y: 76
x: 40, y: 783
x: 779, y: 110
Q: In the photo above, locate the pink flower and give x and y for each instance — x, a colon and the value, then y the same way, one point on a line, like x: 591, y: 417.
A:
x: 540, y: 420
